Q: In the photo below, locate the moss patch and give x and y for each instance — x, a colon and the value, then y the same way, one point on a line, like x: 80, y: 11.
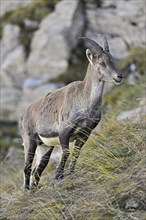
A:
x: 8, y: 133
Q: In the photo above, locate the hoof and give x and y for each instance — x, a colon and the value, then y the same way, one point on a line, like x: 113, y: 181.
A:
x: 25, y: 188
x: 58, y: 178
x: 69, y: 171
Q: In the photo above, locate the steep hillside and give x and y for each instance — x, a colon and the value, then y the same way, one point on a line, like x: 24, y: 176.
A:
x: 110, y: 178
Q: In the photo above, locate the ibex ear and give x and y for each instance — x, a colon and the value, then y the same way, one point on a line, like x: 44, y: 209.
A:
x: 89, y: 56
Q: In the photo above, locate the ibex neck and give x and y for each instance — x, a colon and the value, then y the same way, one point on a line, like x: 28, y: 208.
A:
x: 93, y: 87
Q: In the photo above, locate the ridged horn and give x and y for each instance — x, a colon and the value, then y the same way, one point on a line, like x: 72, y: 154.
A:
x: 105, y: 42
x: 95, y: 45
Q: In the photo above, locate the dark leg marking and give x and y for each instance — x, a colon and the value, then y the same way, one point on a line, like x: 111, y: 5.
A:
x: 76, y: 152
x: 29, y: 155
x: 40, y: 168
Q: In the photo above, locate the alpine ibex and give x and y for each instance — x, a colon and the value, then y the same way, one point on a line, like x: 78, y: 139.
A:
x: 67, y: 114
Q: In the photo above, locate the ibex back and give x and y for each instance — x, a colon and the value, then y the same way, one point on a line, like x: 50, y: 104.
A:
x: 69, y: 113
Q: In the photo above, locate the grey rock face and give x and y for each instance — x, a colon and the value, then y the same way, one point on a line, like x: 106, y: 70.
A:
x: 13, y: 68
x: 12, y: 72
x: 117, y: 45
x: 52, y: 43
x: 9, y: 101
x: 33, y: 82
x: 12, y: 5
x: 29, y: 24
x: 134, y: 115
x: 120, y: 18
x: 10, y: 39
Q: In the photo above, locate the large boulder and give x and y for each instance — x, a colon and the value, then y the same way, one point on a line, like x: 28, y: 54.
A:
x: 57, y: 36
x: 117, y: 45
x: 10, y: 39
x: 13, y: 68
x: 12, y: 57
x: 119, y: 18
x: 7, y: 5
x: 134, y: 115
x: 10, y: 98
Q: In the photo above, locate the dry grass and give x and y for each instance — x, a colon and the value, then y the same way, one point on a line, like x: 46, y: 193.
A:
x: 109, y: 181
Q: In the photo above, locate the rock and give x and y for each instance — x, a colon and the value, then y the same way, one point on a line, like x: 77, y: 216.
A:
x: 12, y: 57
x: 134, y: 76
x: 134, y: 115
x: 52, y: 43
x: 10, y: 39
x: 30, y: 94
x: 9, y: 100
x: 7, y: 6
x: 117, y: 45
x: 119, y: 19
x: 33, y: 82
x: 13, y: 68
x: 132, y: 203
x: 29, y: 24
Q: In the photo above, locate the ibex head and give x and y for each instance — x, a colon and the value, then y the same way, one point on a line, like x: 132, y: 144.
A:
x: 102, y: 61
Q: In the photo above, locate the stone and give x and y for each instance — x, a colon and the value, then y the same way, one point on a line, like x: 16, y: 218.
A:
x: 133, y: 78
x: 119, y: 19
x: 10, y: 5
x: 117, y: 45
x: 10, y: 39
x: 30, y: 24
x: 33, y: 82
x: 134, y: 115
x: 132, y: 203
x: 9, y: 100
x: 52, y: 44
x: 13, y: 68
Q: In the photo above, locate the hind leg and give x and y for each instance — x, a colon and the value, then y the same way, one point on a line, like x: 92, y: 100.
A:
x: 43, y: 156
x: 29, y: 149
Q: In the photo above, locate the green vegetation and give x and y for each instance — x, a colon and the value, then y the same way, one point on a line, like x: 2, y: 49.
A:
x: 8, y: 133
x: 35, y: 11
x: 109, y: 173
x: 137, y: 55
x: 118, y: 98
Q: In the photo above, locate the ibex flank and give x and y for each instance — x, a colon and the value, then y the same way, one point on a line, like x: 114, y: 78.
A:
x: 67, y: 114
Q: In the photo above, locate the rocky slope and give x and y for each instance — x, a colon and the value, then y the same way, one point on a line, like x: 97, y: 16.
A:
x: 109, y: 182
x: 28, y: 68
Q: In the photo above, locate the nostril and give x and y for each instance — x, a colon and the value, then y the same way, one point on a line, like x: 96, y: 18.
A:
x: 120, y: 77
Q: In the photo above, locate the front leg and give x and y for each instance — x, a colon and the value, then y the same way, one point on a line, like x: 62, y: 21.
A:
x: 76, y: 152
x: 64, y: 142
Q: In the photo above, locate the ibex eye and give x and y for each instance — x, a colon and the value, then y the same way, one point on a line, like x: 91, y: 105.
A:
x: 102, y: 63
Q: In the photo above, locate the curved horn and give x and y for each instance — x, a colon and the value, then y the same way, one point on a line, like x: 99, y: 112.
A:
x: 94, y: 44
x: 105, y: 43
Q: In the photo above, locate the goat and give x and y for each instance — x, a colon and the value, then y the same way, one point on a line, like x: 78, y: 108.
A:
x: 67, y: 114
